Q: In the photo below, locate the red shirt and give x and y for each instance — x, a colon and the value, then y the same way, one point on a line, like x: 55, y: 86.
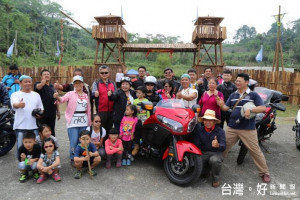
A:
x: 210, y: 102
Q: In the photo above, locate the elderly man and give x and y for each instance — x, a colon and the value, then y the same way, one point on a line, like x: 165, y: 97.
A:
x: 46, y: 91
x: 210, y: 138
x: 24, y: 102
x: 187, y: 94
x: 100, y: 88
x: 244, y: 128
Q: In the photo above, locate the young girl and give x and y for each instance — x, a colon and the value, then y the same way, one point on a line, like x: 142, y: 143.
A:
x: 113, y: 148
x: 49, y: 162
x: 127, y: 129
x: 45, y: 133
x: 97, y: 134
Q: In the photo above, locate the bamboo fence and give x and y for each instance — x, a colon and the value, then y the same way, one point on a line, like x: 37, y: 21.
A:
x: 286, y: 82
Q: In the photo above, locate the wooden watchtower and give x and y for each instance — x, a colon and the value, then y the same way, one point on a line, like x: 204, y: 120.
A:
x: 207, y: 34
x: 110, y: 35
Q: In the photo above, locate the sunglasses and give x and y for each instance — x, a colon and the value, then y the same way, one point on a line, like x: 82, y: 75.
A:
x: 149, y: 84
x: 97, y: 121
x: 103, y: 73
x: 46, y: 147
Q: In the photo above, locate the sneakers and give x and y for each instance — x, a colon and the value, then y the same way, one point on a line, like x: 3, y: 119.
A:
x: 93, y: 172
x: 56, y: 177
x: 118, y: 164
x: 78, y: 174
x: 124, y: 163
x: 128, y: 163
x: 131, y: 157
x: 135, y: 149
x: 36, y: 175
x: 108, y: 164
x: 41, y: 179
x: 266, y: 178
x: 23, y: 178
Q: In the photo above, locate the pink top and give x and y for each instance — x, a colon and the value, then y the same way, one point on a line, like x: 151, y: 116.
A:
x: 210, y: 102
x: 127, y: 128
x: 114, y: 146
x: 72, y: 97
x: 162, y: 94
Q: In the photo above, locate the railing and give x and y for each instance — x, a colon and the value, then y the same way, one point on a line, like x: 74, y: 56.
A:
x: 209, y: 32
x: 109, y: 32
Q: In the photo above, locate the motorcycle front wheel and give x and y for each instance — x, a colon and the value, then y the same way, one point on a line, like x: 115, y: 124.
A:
x: 185, y: 172
x: 298, y: 138
x: 7, y: 140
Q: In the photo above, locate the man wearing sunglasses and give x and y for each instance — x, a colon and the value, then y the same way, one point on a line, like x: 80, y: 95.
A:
x: 104, y: 106
x: 169, y: 75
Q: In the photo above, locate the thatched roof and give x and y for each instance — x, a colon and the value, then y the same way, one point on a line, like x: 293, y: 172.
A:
x: 189, y: 47
x: 213, y: 21
x: 109, y: 20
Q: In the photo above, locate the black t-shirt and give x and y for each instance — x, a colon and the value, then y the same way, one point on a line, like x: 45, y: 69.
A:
x: 35, y: 153
x: 46, y: 94
x: 137, y: 83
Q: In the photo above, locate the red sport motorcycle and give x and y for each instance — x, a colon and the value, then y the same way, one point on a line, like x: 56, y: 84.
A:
x: 164, y: 136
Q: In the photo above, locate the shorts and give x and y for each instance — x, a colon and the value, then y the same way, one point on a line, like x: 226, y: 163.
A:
x: 85, y: 163
x: 22, y: 166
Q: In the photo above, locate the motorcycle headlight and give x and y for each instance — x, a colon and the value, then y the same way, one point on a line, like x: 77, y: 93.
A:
x: 175, y: 126
x: 192, y: 124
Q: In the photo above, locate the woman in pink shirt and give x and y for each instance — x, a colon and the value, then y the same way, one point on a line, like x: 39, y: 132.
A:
x: 211, y: 99
x: 167, y: 92
x: 78, y: 112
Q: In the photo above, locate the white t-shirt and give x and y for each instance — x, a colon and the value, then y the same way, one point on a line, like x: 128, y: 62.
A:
x: 188, y: 92
x: 119, y: 77
x: 95, y: 137
x: 23, y: 117
x: 79, y: 118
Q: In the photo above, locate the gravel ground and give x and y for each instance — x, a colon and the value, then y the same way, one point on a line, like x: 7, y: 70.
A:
x: 145, y: 179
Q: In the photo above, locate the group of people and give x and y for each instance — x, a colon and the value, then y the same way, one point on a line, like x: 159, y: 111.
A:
x: 114, y: 132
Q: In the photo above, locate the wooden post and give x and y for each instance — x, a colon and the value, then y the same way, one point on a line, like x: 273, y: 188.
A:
x: 216, y: 55
x: 103, y: 48
x: 97, y: 47
x: 221, y: 53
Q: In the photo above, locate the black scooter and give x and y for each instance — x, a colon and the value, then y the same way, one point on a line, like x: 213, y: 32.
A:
x: 7, y: 134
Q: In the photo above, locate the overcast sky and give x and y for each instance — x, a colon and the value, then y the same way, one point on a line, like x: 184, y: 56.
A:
x: 174, y: 17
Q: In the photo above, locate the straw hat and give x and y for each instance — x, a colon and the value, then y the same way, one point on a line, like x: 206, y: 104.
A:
x: 209, y: 114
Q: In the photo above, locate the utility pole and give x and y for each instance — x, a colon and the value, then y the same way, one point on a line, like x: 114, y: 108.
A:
x: 278, y: 58
x: 16, y: 50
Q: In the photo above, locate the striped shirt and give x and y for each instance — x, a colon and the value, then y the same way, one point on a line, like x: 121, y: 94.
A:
x: 246, y: 124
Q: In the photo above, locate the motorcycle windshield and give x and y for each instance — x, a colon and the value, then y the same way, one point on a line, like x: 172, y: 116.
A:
x: 170, y: 103
x: 265, y: 93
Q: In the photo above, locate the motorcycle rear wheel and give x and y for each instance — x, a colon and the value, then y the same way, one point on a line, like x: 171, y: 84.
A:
x: 7, y: 142
x: 185, y: 172
x: 242, y: 154
x: 298, y: 139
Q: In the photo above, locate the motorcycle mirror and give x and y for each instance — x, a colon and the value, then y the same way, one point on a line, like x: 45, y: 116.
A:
x: 147, y: 105
x: 284, y: 98
x: 196, y: 108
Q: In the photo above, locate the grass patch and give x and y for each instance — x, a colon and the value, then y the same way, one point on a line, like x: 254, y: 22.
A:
x: 291, y: 111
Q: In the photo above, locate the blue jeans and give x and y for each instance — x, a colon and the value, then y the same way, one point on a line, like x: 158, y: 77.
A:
x: 20, y: 135
x: 73, y: 134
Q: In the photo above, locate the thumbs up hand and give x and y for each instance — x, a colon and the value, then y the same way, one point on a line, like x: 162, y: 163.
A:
x: 215, y: 143
x: 21, y: 104
x: 109, y: 93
